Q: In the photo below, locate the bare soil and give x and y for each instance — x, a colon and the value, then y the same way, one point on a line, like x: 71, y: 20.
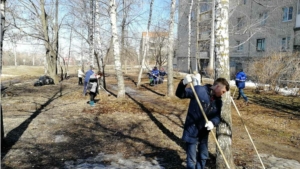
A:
x: 48, y: 125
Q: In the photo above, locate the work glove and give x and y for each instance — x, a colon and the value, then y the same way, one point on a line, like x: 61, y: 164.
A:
x: 187, y: 79
x: 196, y: 79
x: 209, y: 125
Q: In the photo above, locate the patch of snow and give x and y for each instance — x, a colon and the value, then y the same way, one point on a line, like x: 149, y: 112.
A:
x: 287, y: 91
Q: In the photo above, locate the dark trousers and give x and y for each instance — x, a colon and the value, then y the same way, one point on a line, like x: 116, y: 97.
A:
x: 197, y: 153
x: 92, y: 96
x: 241, y: 93
x: 80, y: 81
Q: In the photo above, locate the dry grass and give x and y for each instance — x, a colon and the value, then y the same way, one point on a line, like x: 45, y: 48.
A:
x: 145, y: 123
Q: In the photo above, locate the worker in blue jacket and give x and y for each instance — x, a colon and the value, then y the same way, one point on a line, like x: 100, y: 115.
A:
x: 154, y: 74
x: 240, y: 80
x: 87, y: 78
x: 196, y: 129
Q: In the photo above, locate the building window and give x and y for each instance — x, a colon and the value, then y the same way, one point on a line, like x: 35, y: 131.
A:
x: 287, y: 13
x: 240, y: 47
x: 192, y: 15
x: 260, y: 45
x: 263, y: 18
x: 204, y: 6
x: 239, y: 23
x: 285, y: 43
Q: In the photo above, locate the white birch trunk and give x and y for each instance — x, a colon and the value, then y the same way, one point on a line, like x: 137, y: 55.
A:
x: 224, y: 132
x: 170, y: 92
x: 97, y: 42
x: 116, y: 50
x: 91, y: 33
x: 146, y: 46
x: 189, y: 36
x: 212, y: 38
x: 2, y: 8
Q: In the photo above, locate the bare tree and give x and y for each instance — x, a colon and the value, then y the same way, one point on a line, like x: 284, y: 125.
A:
x: 158, y: 47
x: 224, y: 132
x: 123, y: 27
x: 116, y: 49
x: 98, y: 44
x: 170, y: 91
x: 145, y: 48
x: 212, y: 38
x: 2, y: 8
x: 51, y: 50
x: 189, y: 36
x: 34, y: 20
x: 91, y: 27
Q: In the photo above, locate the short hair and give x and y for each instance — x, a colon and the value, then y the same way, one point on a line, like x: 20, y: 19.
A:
x: 91, y: 67
x: 223, y: 81
x: 100, y: 73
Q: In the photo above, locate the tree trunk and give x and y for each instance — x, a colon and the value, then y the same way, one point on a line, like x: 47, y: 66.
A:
x: 56, y: 45
x: 189, y: 37
x: 118, y: 65
x: 146, y: 46
x: 91, y: 33
x: 2, y: 8
x: 123, y: 56
x: 212, y: 38
x: 224, y: 132
x: 50, y: 53
x: 98, y: 44
x: 170, y: 92
x: 69, y: 56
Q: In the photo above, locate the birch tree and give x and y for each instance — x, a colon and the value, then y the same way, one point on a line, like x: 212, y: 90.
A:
x: 116, y: 49
x: 170, y: 91
x: 2, y: 8
x: 212, y: 38
x: 145, y: 48
x: 98, y: 44
x: 91, y: 32
x: 224, y: 132
x: 189, y: 36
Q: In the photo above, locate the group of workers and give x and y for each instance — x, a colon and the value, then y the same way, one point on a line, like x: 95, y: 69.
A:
x: 156, y: 76
x: 196, y: 129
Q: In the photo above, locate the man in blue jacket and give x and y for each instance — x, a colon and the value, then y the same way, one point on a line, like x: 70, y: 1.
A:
x: 240, y: 80
x: 87, y: 78
x: 155, y: 76
x: 196, y: 130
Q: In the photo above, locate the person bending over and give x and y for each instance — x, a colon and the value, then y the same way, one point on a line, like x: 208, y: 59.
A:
x: 196, y: 129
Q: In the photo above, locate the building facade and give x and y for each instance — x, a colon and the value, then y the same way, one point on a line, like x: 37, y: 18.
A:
x: 256, y: 29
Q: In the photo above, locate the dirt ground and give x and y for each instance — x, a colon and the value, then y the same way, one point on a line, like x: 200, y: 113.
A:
x: 48, y: 125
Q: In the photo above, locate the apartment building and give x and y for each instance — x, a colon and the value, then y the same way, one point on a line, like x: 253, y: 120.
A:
x: 157, y: 46
x: 256, y: 29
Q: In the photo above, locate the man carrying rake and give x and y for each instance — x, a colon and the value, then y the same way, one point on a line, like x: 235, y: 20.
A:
x: 196, y: 129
